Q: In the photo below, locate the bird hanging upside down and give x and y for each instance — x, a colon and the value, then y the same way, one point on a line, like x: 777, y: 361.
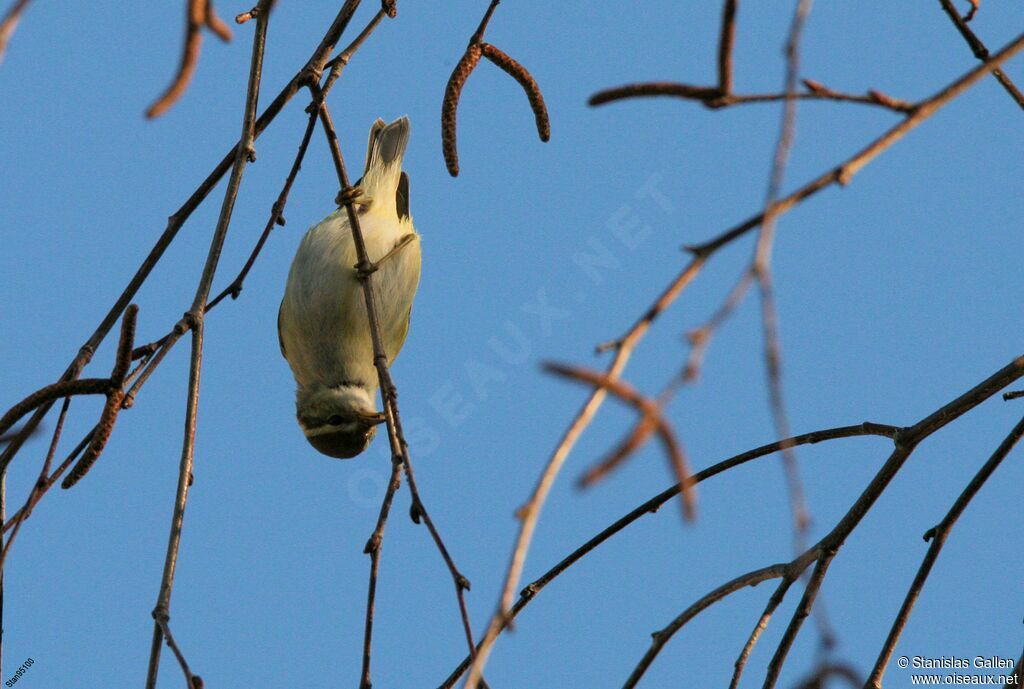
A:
x: 322, y: 324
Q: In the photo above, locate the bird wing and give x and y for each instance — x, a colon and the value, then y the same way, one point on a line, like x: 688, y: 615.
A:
x: 402, y: 334
x: 402, y: 196
x: 280, y: 339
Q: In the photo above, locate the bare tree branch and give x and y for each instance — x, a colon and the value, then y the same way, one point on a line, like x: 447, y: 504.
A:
x: 9, y: 23
x: 979, y: 49
x: 938, y: 535
x: 196, y: 317
x: 199, y: 14
x: 624, y: 346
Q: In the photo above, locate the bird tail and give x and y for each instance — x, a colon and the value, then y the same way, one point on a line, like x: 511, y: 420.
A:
x: 384, y: 155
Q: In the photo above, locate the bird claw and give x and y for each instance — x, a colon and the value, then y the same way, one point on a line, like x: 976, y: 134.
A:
x: 365, y: 270
x: 352, y: 196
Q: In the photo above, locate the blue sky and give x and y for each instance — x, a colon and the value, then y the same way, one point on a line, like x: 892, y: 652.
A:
x: 896, y: 294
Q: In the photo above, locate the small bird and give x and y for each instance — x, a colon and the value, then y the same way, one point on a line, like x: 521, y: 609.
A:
x: 322, y: 324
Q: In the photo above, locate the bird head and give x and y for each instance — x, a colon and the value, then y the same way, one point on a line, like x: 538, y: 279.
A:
x: 340, y: 421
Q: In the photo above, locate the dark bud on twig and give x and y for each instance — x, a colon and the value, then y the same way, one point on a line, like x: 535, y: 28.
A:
x: 452, y: 93
x: 416, y: 511
x: 389, y: 7
x: 372, y: 544
x: 889, y: 101
x: 529, y: 84
x: 197, y: 682
x: 815, y: 86
x: 246, y: 16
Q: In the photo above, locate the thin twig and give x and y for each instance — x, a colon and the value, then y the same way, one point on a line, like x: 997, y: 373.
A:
x: 243, y: 155
x: 624, y: 346
x: 762, y: 624
x: 10, y: 23
x: 980, y: 51
x: 654, y: 504
x: 726, y: 39
x: 661, y: 637
x: 906, y: 441
x: 192, y: 681
x: 761, y: 269
x: 938, y: 535
x: 51, y: 393
x: 652, y: 414
x: 803, y: 610
x: 199, y: 14
x: 373, y: 547
x: 712, y: 96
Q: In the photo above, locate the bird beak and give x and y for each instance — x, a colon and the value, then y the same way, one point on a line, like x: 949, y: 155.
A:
x: 371, y: 418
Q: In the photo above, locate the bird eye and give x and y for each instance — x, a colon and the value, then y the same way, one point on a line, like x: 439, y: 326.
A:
x: 335, y: 420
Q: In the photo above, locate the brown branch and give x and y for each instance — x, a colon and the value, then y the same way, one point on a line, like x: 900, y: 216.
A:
x: 700, y: 337
x: 980, y: 51
x: 762, y: 624
x: 802, y: 612
x: 661, y: 637
x: 713, y: 97
x: 726, y: 39
x: 652, y: 414
x: 192, y: 681
x: 198, y: 14
x: 938, y: 535
x: 389, y: 392
x: 761, y: 269
x: 243, y: 154
x: 481, y: 29
x: 373, y: 547
x: 906, y: 441
x: 276, y: 218
x: 1012, y: 395
x: 842, y: 174
x: 312, y: 68
x: 50, y: 393
x: 654, y: 504
x: 10, y: 23
x: 338, y: 64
